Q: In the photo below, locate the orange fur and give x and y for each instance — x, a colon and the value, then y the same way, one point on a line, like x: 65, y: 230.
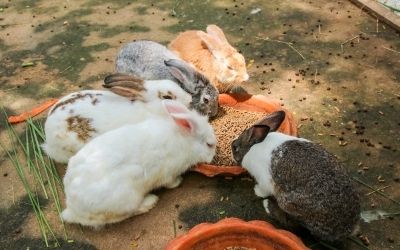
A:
x: 191, y: 47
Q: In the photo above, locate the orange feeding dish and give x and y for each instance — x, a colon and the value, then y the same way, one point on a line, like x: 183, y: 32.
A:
x: 247, y: 102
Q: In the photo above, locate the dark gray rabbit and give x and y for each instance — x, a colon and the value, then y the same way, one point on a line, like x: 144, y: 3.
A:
x: 308, y: 183
x: 152, y: 61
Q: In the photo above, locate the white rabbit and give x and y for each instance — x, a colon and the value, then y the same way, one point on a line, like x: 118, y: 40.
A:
x: 110, y: 178
x: 81, y: 116
x: 309, y: 184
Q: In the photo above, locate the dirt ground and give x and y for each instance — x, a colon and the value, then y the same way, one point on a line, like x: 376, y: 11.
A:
x: 340, y: 76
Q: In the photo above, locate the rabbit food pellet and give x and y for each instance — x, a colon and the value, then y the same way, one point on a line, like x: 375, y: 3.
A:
x: 228, y: 124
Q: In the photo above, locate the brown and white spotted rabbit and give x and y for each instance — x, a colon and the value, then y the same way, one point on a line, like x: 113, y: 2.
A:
x: 81, y: 116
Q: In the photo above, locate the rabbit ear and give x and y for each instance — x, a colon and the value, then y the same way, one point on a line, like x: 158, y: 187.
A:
x: 258, y: 133
x: 117, y: 77
x: 213, y: 44
x: 183, y: 73
x: 273, y: 120
x: 180, y: 114
x: 125, y: 85
x: 217, y: 33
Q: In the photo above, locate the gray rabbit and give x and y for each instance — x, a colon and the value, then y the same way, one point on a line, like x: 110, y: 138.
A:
x: 308, y: 183
x: 152, y: 61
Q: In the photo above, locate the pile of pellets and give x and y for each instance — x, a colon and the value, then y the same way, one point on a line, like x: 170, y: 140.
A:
x: 228, y: 124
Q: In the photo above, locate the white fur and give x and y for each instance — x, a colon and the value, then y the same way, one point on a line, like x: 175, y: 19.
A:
x: 110, y: 178
x: 109, y: 112
x: 265, y: 204
x: 153, y: 87
x: 258, y: 162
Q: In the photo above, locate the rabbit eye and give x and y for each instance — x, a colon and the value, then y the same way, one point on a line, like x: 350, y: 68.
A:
x: 230, y: 67
x: 167, y: 97
x: 210, y: 145
x: 206, y: 100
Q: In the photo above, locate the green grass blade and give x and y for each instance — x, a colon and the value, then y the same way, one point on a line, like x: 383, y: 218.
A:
x: 327, y: 245
x: 48, y: 167
x: 357, y: 242
x: 376, y: 190
x: 14, y: 160
x: 36, y: 164
x: 32, y: 166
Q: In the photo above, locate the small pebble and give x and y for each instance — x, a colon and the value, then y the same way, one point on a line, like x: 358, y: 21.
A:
x: 327, y: 124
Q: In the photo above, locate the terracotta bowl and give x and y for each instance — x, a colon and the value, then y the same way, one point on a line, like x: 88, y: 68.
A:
x: 248, y: 102
x: 232, y: 232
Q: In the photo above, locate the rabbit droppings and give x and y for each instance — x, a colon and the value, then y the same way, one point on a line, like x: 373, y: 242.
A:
x: 110, y: 178
x: 213, y: 56
x: 81, y: 116
x: 308, y: 183
x: 153, y: 61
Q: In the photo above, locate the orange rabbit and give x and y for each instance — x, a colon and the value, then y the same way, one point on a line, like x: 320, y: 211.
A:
x: 213, y: 56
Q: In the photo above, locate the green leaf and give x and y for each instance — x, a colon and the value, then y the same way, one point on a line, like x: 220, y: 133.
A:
x: 27, y: 64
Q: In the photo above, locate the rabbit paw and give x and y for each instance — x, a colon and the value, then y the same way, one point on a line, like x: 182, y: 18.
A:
x: 174, y: 183
x: 265, y: 204
x: 148, y: 203
x: 259, y: 191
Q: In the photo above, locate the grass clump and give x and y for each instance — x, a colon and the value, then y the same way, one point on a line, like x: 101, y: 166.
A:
x: 37, y: 173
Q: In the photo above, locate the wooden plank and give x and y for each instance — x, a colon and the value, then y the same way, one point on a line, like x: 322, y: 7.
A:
x: 380, y: 12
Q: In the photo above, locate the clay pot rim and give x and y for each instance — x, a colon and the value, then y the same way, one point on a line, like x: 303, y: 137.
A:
x: 245, y: 102
x: 206, y: 230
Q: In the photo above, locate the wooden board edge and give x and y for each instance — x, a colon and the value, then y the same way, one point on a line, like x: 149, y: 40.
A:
x: 380, y: 12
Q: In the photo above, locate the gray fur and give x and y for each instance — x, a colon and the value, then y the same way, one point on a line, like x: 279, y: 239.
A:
x: 310, y: 185
x: 256, y: 134
x: 246, y: 140
x: 314, y: 189
x: 204, y: 94
x: 152, y: 61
